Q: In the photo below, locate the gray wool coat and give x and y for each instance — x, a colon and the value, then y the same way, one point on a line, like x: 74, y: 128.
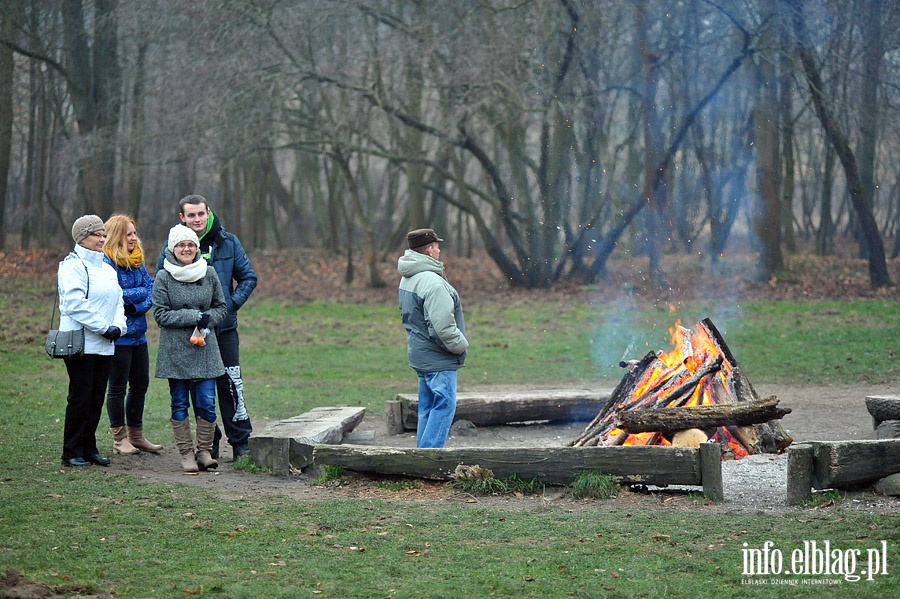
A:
x: 176, y: 308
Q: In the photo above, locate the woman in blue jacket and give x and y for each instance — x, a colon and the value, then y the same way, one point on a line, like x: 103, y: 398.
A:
x: 131, y: 362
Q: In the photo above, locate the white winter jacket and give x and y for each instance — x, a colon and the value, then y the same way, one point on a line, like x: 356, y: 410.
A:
x: 90, y: 297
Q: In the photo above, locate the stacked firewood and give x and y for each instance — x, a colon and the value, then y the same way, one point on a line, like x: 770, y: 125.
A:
x: 698, y: 387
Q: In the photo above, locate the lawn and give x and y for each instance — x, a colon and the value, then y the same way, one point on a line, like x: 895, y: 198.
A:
x: 117, y: 535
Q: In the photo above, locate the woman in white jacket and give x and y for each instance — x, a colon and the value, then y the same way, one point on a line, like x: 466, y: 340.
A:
x: 89, y: 298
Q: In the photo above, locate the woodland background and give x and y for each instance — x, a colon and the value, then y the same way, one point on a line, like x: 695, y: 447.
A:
x: 550, y: 135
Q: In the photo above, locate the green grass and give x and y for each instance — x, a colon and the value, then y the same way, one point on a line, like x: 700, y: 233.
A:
x: 594, y: 485
x: 116, y: 533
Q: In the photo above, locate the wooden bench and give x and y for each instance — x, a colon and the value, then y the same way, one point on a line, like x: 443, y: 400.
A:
x: 502, y: 407
x: 288, y: 444
x: 651, y: 465
x: 838, y: 465
x: 885, y: 412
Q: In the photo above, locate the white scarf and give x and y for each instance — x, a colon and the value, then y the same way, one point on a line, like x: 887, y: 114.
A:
x: 186, y: 273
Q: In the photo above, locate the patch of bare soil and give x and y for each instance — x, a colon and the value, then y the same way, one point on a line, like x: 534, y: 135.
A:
x: 754, y: 484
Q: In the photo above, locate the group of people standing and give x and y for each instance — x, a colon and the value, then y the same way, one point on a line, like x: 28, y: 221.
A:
x: 202, y: 277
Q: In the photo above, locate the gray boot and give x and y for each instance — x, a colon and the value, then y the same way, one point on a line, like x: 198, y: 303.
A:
x: 205, y: 432
x: 185, y: 443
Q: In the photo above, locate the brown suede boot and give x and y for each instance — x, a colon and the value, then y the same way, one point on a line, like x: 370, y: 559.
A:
x: 185, y: 443
x: 136, y: 436
x: 121, y: 444
x: 205, y: 433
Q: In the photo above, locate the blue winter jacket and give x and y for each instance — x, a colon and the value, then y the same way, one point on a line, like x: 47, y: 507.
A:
x: 137, y: 294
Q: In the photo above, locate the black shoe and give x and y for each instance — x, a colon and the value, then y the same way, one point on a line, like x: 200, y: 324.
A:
x: 96, y: 458
x: 241, y: 449
x: 214, y: 452
x: 75, y: 462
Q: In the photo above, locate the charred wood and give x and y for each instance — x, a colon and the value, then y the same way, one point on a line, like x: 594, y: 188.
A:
x: 671, y: 420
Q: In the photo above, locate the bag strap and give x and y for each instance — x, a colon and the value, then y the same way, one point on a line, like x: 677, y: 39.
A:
x: 86, y: 294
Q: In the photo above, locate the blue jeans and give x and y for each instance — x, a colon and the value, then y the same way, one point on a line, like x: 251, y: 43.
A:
x: 437, y: 406
x: 203, y: 393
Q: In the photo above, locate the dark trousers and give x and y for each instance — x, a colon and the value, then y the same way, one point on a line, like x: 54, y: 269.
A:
x: 130, y: 372
x: 230, y: 391
x: 84, y: 404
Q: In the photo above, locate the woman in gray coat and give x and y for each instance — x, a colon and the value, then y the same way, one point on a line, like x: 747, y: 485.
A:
x: 187, y: 296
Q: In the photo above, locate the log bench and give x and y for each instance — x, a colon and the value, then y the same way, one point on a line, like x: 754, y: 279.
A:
x: 885, y: 412
x: 839, y: 465
x: 288, y: 444
x: 493, y: 408
x: 651, y: 465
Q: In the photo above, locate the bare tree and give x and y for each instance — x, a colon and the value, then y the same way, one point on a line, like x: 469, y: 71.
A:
x: 6, y: 118
x: 766, y: 137
x: 878, y: 273
x: 94, y: 77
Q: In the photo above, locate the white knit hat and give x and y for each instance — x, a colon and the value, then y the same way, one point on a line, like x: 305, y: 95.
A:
x: 180, y: 233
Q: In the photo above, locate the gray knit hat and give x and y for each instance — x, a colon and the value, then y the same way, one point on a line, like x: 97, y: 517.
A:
x: 84, y: 226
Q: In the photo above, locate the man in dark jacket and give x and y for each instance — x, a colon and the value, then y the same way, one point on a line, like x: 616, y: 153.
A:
x: 435, y: 333
x: 224, y: 252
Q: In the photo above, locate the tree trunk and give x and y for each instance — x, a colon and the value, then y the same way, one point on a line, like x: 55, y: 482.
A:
x: 94, y: 78
x: 370, y: 254
x: 873, y: 55
x: 6, y: 120
x: 786, y: 110
x: 652, y: 187
x: 413, y: 140
x: 768, y: 158
x: 878, y: 273
x: 825, y: 232
x: 136, y: 142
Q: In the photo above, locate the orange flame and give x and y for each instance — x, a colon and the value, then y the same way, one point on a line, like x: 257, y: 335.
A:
x: 691, y: 351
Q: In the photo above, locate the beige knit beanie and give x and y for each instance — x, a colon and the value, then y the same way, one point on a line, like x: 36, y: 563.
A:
x: 84, y: 226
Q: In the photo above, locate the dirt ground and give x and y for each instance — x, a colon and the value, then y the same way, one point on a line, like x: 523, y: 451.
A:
x: 756, y: 483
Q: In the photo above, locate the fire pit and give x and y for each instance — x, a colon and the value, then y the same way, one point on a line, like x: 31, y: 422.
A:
x: 690, y: 395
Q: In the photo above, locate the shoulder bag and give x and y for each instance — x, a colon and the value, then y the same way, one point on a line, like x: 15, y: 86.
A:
x: 66, y: 344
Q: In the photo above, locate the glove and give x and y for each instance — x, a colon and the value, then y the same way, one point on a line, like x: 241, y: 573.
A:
x: 203, y: 323
x: 129, y: 309
x: 112, y: 333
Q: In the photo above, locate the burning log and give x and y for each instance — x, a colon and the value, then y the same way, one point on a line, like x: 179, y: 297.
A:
x: 700, y: 375
x: 670, y: 420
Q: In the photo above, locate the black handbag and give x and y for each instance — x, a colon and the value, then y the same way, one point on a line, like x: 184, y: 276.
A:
x: 66, y: 344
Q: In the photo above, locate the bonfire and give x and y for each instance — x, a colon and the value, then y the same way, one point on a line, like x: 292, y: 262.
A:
x: 693, y: 394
